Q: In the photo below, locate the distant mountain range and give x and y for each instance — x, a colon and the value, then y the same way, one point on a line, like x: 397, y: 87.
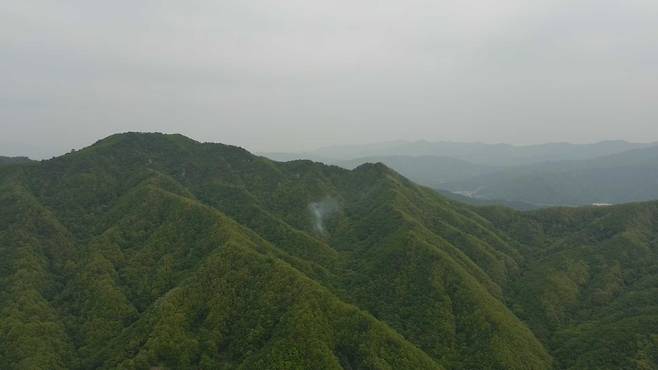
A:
x: 619, y: 178
x: 476, y: 153
x: 524, y: 177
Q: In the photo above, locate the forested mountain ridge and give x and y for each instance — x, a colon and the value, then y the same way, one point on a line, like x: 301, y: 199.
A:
x: 152, y: 250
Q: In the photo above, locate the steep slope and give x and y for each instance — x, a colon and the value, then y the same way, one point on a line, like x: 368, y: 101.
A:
x: 413, y: 262
x: 188, y: 254
x: 36, y: 260
x: 210, y: 293
x: 173, y: 283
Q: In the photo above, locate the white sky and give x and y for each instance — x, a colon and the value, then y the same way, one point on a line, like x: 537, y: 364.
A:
x: 292, y: 75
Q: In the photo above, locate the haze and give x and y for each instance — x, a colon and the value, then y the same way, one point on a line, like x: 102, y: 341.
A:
x: 295, y: 75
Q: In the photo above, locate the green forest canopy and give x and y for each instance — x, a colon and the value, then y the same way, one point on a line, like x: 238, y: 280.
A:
x: 152, y: 250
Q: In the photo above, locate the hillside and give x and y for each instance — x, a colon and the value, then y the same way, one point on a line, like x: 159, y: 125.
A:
x: 630, y: 176
x: 152, y: 250
x: 591, y: 291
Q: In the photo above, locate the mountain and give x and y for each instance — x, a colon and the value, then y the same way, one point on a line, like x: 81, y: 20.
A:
x: 156, y: 251
x: 476, y: 153
x: 630, y: 176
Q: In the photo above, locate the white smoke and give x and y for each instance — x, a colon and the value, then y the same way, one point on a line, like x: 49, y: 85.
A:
x: 320, y: 211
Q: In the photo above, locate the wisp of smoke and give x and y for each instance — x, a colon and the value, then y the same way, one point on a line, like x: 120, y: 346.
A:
x: 320, y: 211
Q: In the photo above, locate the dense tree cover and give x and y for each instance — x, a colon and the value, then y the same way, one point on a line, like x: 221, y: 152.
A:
x: 151, y: 250
x: 590, y: 291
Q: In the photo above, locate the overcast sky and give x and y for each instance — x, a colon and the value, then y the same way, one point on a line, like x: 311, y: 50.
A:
x: 289, y: 75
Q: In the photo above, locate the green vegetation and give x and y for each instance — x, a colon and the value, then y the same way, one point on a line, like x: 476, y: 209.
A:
x: 155, y: 251
x: 590, y: 291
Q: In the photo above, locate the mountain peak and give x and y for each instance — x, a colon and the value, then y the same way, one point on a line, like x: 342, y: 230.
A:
x: 145, y: 137
x: 378, y: 168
